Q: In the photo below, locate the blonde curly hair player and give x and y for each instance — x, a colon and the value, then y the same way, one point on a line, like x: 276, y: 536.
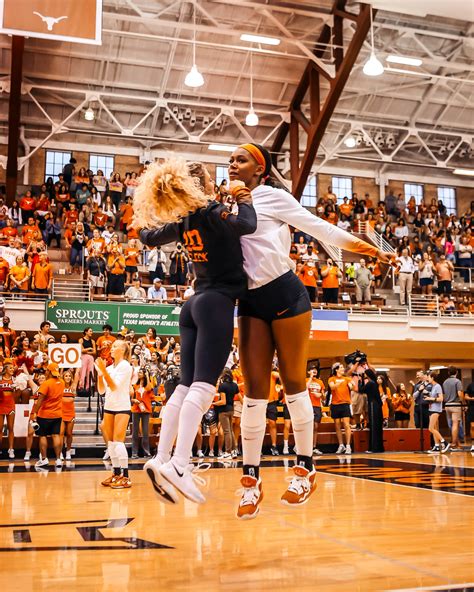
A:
x: 167, y: 193
x: 211, y: 235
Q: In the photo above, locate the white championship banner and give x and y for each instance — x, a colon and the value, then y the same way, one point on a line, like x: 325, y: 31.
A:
x: 65, y: 355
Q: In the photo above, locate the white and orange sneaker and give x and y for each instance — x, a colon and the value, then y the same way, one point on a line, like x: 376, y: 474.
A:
x: 252, y: 495
x: 110, y: 480
x: 301, y: 487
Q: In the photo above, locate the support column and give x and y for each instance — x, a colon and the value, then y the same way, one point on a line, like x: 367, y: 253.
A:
x: 14, y: 112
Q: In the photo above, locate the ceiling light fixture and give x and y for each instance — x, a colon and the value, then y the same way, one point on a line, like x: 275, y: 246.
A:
x: 259, y: 39
x: 373, y: 66
x: 350, y: 141
x: 194, y: 78
x: 382, y: 369
x: 469, y: 172
x: 221, y: 147
x: 89, y: 114
x: 252, y: 118
x: 397, y: 59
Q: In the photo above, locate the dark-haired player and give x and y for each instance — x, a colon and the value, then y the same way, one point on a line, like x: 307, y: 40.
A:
x: 275, y: 314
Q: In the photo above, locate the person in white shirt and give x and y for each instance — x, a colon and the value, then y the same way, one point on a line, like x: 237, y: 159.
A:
x: 115, y: 381
x: 276, y: 314
x: 156, y: 292
x: 156, y: 263
x: 135, y: 293
x: 406, y: 268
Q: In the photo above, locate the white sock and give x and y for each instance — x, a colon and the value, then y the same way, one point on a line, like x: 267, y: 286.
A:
x: 113, y: 455
x: 253, y: 425
x: 301, y: 413
x: 197, y: 402
x: 285, y: 444
x: 170, y: 422
x: 122, y: 454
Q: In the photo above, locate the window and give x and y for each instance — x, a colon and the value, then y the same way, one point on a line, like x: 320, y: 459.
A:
x: 55, y: 162
x: 448, y: 196
x: 222, y: 173
x: 342, y: 187
x: 102, y: 162
x: 415, y: 190
x: 308, y: 199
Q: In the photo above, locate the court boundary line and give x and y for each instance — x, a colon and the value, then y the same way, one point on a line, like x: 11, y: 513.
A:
x: 451, y: 587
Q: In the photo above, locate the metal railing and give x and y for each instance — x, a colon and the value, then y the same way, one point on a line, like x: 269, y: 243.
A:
x: 423, y: 305
x: 71, y: 289
x: 365, y: 228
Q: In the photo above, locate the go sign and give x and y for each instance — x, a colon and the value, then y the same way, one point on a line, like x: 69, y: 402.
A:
x: 66, y: 355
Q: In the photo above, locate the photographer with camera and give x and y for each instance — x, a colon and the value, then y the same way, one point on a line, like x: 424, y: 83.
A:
x: 179, y: 265
x: 366, y: 382
x: 341, y: 412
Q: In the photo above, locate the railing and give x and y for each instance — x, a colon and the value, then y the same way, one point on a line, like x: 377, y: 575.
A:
x: 71, y: 290
x: 365, y: 228
x: 423, y: 305
x: 23, y: 296
x: 335, y: 253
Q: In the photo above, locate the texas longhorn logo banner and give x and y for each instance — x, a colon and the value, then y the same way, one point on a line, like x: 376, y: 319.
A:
x: 61, y: 20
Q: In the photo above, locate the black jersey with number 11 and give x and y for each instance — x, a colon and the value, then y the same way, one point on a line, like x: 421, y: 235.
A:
x: 211, y: 237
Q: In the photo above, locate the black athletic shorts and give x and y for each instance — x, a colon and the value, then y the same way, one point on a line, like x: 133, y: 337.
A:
x: 272, y: 410
x: 341, y: 410
x: 317, y: 414
x: 401, y: 416
x: 282, y: 298
x: 48, y: 426
x: 126, y: 412
x: 286, y: 413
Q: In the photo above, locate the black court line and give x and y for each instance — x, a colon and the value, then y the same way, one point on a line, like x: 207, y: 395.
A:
x: 440, y: 478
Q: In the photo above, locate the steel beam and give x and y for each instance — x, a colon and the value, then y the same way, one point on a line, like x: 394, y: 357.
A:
x: 321, y: 114
x: 14, y: 112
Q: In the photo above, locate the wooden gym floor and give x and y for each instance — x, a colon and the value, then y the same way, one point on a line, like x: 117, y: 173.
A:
x: 387, y: 522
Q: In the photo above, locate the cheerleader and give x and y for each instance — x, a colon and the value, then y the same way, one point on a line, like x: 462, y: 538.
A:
x: 71, y: 380
x: 275, y: 314
x: 7, y: 405
x: 115, y: 381
x: 169, y: 193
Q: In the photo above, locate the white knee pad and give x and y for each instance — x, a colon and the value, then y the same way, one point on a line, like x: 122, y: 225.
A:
x: 300, y: 408
x: 121, y: 450
x: 201, y: 395
x: 254, y: 413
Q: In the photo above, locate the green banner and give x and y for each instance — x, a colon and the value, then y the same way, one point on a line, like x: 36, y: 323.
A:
x: 75, y: 316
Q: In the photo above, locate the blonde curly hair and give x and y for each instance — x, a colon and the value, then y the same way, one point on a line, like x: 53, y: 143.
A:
x: 167, y: 192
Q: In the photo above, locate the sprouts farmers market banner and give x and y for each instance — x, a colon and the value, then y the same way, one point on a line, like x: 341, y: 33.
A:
x: 75, y: 316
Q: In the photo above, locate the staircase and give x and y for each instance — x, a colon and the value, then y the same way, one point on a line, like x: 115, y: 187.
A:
x: 85, y: 426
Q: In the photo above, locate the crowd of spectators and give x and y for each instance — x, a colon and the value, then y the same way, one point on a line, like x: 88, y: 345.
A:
x: 156, y: 363
x: 91, y: 215
x: 431, y: 245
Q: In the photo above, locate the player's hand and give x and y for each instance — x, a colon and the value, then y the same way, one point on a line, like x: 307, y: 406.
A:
x: 386, y: 257
x: 101, y: 364
x: 235, y: 184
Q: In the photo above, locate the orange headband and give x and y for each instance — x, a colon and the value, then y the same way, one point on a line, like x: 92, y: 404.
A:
x: 256, y: 153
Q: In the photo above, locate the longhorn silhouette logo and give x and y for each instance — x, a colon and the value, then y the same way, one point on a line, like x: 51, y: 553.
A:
x: 49, y: 20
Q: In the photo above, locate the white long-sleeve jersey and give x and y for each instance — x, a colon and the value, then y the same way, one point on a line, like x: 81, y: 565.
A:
x: 266, y: 251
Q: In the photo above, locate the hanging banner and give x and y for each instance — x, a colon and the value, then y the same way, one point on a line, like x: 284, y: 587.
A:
x: 60, y: 20
x: 76, y: 316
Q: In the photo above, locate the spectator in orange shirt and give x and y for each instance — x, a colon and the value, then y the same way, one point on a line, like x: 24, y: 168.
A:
x: 104, y: 343
x: 132, y: 254
x: 100, y: 218
x: 8, y: 231
x: 19, y: 276
x: 43, y: 205
x: 116, y: 272
x: 340, y: 386
x: 96, y: 243
x: 346, y: 208
x: 316, y: 391
x: 29, y: 230
x: 27, y: 205
x: 4, y: 269
x: 35, y: 247
x: 386, y: 396
x: 42, y: 275
x: 70, y: 215
x: 126, y: 211
x: 3, y: 213
x: 48, y: 412
x: 444, y: 271
x: 330, y: 274
x: 308, y: 274
x: 141, y: 412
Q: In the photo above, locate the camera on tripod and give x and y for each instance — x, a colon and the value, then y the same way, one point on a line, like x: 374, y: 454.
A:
x: 356, y: 357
